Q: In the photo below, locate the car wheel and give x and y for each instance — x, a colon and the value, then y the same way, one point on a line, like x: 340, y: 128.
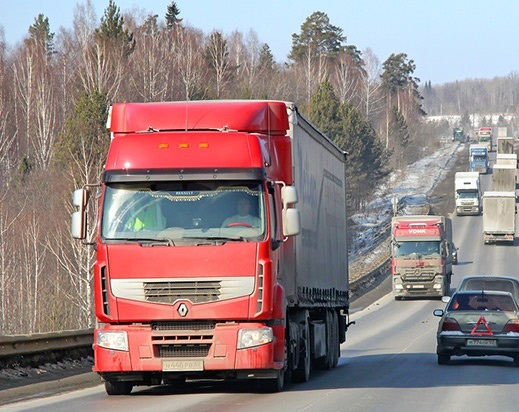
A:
x: 443, y: 359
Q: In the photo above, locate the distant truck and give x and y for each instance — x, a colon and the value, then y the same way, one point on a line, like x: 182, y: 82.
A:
x: 505, y: 145
x: 458, y: 135
x: 503, y: 177
x: 498, y: 217
x: 421, y: 256
x: 485, y: 137
x: 467, y: 193
x: 478, y: 158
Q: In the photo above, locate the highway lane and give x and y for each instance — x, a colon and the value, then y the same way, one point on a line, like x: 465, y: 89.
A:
x: 388, y: 362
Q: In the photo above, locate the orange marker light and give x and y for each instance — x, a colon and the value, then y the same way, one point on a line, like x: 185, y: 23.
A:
x: 183, y: 145
x: 163, y: 146
x: 203, y: 145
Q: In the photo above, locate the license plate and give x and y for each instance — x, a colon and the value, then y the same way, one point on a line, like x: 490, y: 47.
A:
x: 482, y: 342
x: 418, y: 286
x: 179, y: 365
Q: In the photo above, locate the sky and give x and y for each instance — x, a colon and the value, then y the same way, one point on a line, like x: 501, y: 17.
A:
x: 448, y: 40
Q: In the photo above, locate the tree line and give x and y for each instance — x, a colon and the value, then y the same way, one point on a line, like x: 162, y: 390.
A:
x: 55, y: 91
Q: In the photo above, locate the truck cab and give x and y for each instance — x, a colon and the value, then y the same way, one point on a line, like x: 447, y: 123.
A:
x: 478, y: 158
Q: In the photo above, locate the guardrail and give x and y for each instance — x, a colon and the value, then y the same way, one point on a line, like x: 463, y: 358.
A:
x: 41, y: 347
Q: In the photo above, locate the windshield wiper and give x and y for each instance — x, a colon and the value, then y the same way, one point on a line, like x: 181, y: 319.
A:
x: 216, y: 239
x: 146, y: 241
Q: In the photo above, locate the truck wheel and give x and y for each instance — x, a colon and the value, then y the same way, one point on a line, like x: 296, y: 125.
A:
x: 326, y: 362
x: 272, y: 385
x: 118, y: 388
x: 302, y: 372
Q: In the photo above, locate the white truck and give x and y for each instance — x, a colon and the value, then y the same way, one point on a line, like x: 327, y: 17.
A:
x: 467, y: 193
x: 498, y: 217
x: 503, y: 178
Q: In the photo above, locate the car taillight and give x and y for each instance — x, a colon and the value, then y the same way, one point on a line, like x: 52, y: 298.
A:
x: 512, y: 326
x: 450, y: 325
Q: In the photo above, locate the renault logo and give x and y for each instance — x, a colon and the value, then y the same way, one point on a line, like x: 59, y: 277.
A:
x: 182, y: 310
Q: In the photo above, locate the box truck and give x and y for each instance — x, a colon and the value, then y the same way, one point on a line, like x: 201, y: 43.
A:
x: 467, y: 193
x: 498, y: 217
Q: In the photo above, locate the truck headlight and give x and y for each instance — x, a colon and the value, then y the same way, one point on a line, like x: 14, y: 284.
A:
x: 116, y: 340
x: 247, y: 338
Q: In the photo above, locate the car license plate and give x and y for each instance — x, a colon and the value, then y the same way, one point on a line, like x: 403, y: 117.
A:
x: 418, y: 286
x: 482, y: 342
x: 179, y: 365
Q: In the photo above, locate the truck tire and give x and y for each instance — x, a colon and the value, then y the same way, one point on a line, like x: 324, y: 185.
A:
x: 118, y: 388
x: 326, y: 362
x: 272, y: 385
x: 302, y: 372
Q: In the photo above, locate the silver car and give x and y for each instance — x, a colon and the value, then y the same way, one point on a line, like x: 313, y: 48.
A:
x: 478, y: 323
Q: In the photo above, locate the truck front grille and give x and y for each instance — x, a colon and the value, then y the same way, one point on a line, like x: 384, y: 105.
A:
x: 182, y: 339
x: 413, y: 275
x: 187, y: 351
x: 170, y: 290
x: 194, y: 291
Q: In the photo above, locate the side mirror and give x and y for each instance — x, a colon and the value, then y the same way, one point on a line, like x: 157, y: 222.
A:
x: 288, y: 195
x: 291, y: 222
x: 78, y: 223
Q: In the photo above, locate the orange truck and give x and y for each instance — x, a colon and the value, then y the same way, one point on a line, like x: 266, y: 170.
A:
x: 189, y: 287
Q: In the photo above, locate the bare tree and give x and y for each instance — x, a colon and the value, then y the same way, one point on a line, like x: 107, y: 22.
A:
x: 372, y: 95
x: 151, y: 70
x: 217, y: 54
x: 190, y: 62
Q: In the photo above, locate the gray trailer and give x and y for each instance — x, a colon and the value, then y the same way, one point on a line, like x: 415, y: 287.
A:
x: 321, y: 249
x: 503, y: 178
x: 498, y: 217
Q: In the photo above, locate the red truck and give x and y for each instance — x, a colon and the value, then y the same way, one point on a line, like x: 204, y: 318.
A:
x: 422, y: 255
x: 186, y: 285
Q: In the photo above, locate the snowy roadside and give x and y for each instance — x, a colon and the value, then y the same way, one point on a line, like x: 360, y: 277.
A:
x: 370, y: 229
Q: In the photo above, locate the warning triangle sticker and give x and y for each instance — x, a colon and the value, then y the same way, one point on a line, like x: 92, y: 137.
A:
x: 486, y: 332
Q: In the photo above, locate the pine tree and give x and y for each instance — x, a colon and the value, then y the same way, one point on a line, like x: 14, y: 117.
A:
x: 322, y: 110
x: 112, y: 30
x: 318, y: 38
x: 172, y: 19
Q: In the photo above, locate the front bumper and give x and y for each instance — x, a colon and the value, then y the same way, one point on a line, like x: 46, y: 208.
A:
x: 467, y: 210
x: 434, y: 288
x: 195, y: 353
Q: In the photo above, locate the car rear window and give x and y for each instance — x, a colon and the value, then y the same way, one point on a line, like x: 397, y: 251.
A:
x: 471, y: 302
x: 480, y: 284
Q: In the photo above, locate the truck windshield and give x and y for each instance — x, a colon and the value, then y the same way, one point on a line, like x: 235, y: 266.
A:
x: 479, y: 158
x: 179, y: 211
x: 418, y: 248
x: 467, y: 195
